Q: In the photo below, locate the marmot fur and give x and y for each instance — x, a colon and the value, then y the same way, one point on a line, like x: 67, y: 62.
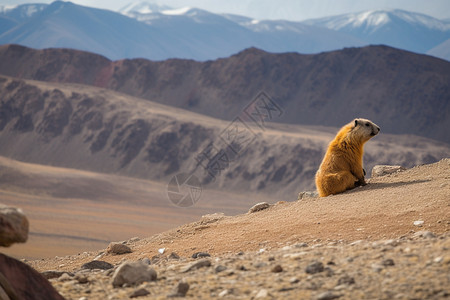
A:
x: 342, y: 167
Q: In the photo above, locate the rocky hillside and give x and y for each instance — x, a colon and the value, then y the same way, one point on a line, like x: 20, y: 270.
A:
x: 387, y: 240
x: 100, y: 130
x: 403, y: 92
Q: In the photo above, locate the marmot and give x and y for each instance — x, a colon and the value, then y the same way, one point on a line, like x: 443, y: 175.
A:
x: 342, y: 167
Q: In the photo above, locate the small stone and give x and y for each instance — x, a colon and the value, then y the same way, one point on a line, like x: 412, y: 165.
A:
x: 263, y: 293
x: 52, y: 274
x: 258, y: 207
x: 277, y: 269
x: 173, y: 255
x: 301, y: 245
x: 161, y: 250
x: 13, y: 226
x: 294, y: 280
x: 223, y: 293
x: 377, y: 268
x: 328, y: 296
x: 425, y: 234
x: 82, y: 279
x: 346, y: 280
x: 196, y: 265
x: 200, y: 255
x: 65, y: 277
x: 304, y: 195
x: 139, y: 293
x: 388, y: 262
x: 97, y: 264
x: 133, y: 273
x: 146, y: 261
x: 381, y: 170
x: 418, y: 223
x: 180, y: 289
x: 314, y: 267
x: 220, y: 268
x: 118, y: 248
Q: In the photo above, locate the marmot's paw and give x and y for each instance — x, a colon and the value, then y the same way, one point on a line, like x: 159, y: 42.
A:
x: 360, y: 183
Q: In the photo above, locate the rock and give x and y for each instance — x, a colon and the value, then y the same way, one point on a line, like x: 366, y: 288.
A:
x: 173, y: 255
x: 388, y: 262
x: 328, y: 296
x: 223, y: 293
x: 263, y: 293
x: 315, y: 267
x: 139, y: 293
x: 196, y: 265
x: 381, y: 170
x: 13, y: 226
x: 277, y: 269
x: 53, y: 274
x: 346, y: 280
x: 65, y: 277
x: 146, y: 261
x: 304, y: 195
x: 180, y: 289
x: 258, y: 207
x: 133, y: 273
x: 425, y: 234
x: 20, y: 281
x: 220, y: 268
x: 82, y: 279
x: 418, y: 223
x: 200, y: 255
x: 118, y: 248
x: 97, y: 264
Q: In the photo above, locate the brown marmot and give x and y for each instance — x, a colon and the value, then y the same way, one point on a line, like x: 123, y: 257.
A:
x: 342, y: 167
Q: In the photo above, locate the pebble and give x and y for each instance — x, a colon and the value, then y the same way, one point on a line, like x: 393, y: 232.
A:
x: 118, y: 248
x: 133, y: 273
x: 259, y: 207
x: 180, y: 289
x: 262, y: 293
x: 346, y: 280
x: 327, y: 296
x: 220, y: 268
x: 52, y: 274
x: 139, y: 293
x: 277, y: 269
x: 425, y: 234
x: 315, y: 267
x: 388, y: 262
x: 97, y: 264
x: 200, y: 255
x: 197, y: 265
x: 418, y: 223
x: 173, y: 255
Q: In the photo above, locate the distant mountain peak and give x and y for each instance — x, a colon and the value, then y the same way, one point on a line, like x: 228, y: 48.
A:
x: 143, y: 7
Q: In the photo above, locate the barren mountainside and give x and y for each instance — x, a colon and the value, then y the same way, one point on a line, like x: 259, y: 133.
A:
x: 403, y: 92
x: 95, y: 129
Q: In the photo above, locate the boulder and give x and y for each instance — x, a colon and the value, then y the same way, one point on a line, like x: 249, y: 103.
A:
x: 13, y: 226
x: 20, y: 281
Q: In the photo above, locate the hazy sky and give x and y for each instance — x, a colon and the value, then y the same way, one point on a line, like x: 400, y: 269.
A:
x: 278, y: 9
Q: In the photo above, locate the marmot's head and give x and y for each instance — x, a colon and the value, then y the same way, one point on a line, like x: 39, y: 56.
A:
x: 364, y: 129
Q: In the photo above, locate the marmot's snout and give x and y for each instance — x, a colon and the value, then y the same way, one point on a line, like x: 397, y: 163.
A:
x: 375, y: 130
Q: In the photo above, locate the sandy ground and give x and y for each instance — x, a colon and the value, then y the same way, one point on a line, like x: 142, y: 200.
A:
x: 384, y: 209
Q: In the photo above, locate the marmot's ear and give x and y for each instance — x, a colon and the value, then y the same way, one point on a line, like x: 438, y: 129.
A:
x: 356, y: 122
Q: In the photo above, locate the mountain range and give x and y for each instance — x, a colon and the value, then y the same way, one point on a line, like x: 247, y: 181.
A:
x: 405, y: 93
x: 146, y: 30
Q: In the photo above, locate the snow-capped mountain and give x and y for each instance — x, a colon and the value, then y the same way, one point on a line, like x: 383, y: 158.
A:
x: 20, y: 13
x: 401, y: 29
x: 147, y: 30
x: 143, y: 8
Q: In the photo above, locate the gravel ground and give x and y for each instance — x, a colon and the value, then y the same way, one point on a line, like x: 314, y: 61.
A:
x: 415, y: 266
